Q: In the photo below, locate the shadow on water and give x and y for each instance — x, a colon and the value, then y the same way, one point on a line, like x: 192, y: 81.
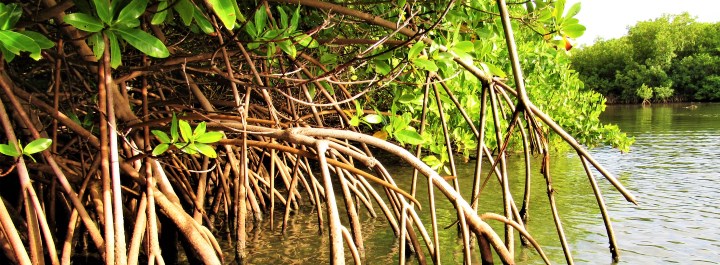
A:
x: 673, y: 169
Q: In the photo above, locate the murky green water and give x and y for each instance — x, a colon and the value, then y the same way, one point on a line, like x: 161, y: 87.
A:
x: 673, y: 170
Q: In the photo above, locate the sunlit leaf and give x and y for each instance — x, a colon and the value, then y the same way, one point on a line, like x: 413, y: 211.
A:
x: 37, y: 145
x: 284, y: 20
x: 143, y: 41
x: 415, y: 50
x: 115, y: 52
x: 98, y: 44
x: 9, y: 150
x: 574, y: 10
x: 206, y: 150
x: 409, y: 136
x: 306, y: 41
x: 465, y: 46
x: 185, y: 130
x: 189, y: 148
x: 174, y: 128
x: 294, y: 20
x: 260, y: 19
x: 9, y: 15
x: 574, y: 30
x: 425, y: 64
x: 159, y: 149
x: 209, y: 137
x: 372, y: 118
x: 161, y: 136
x: 355, y: 121
x: 225, y: 10
x: 16, y: 42
x: 203, y: 23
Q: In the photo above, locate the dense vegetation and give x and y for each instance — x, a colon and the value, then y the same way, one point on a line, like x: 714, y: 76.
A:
x: 161, y: 121
x: 672, y: 58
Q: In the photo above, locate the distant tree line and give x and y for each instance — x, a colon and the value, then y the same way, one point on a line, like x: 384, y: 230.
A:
x: 672, y: 58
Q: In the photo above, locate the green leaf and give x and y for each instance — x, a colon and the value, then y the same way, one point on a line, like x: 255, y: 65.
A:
x: 174, y: 128
x: 200, y: 129
x: 355, y: 121
x: 260, y: 19
x: 294, y: 20
x: 250, y: 29
x: 203, y: 22
x: 98, y: 44
x: 409, y: 136
x: 373, y: 118
x: 144, y: 42
x: 115, y: 52
x: 383, y: 68
x: 306, y: 41
x: 38, y: 145
x: 425, y: 64
x: 465, y: 46
x: 40, y: 39
x: 186, y: 11
x: 415, y: 50
x: 185, y: 130
x: 206, y: 150
x: 9, y: 15
x: 283, y: 18
x: 9, y: 150
x: 209, y: 137
x: 574, y: 31
x: 574, y: 10
x: 84, y: 22
x: 14, y: 41
x: 288, y: 47
x: 9, y: 56
x: 161, y: 136
x: 102, y: 7
x: 159, y: 17
x: 225, y: 10
x: 189, y: 148
x: 159, y: 149
x: 131, y: 11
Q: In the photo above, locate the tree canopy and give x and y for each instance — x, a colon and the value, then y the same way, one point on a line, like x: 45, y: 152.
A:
x: 673, y: 57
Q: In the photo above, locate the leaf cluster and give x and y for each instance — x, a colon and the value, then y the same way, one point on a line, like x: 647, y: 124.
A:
x: 184, y: 138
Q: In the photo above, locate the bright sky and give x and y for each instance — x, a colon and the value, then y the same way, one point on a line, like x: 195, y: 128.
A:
x: 609, y: 19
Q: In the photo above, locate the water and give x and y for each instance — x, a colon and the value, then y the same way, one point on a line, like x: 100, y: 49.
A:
x: 673, y: 170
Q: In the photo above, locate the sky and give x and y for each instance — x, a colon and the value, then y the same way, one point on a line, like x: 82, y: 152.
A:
x: 609, y: 19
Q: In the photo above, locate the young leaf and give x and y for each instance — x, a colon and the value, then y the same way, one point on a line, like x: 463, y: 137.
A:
x: 373, y: 118
x: 131, y: 11
x: 38, y: 145
x: 425, y: 64
x: 225, y: 10
x: 160, y: 16
x: 9, y: 150
x: 465, y: 46
x: 161, y: 136
x: 209, y: 137
x: 84, y: 22
x: 143, y: 41
x: 409, y: 136
x: 206, y: 150
x: 355, y: 121
x: 174, y: 128
x: 159, y: 149
x: 200, y: 129
x: 574, y: 10
x: 104, y: 12
x: 415, y: 50
x: 185, y: 130
x: 115, y: 53
x: 189, y: 148
x: 288, y: 48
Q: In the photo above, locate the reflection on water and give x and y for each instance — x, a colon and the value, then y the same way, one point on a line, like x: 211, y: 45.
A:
x: 673, y: 170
